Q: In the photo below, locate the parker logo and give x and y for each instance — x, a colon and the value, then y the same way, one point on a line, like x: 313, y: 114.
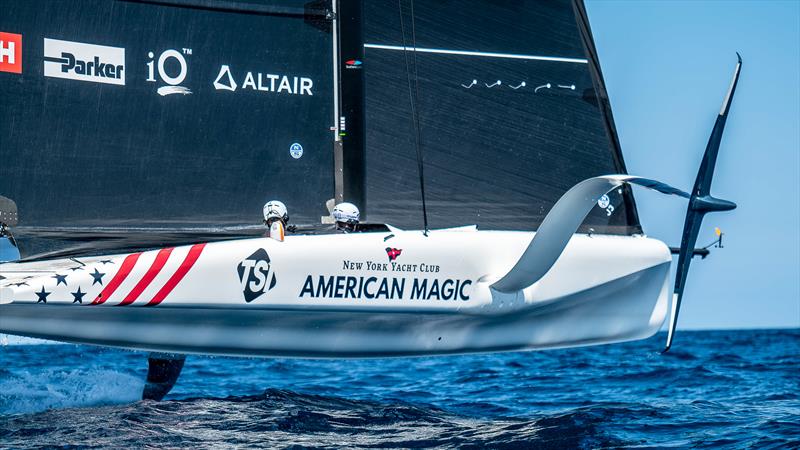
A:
x: 255, y: 275
x: 393, y: 253
x: 84, y: 62
x: 10, y: 52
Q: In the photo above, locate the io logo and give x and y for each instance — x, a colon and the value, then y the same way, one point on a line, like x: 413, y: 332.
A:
x: 10, y: 52
x: 255, y: 275
x: 172, y: 68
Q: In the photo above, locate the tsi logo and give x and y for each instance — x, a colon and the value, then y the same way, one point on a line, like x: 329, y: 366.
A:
x: 175, y: 60
x: 255, y: 275
x: 84, y: 62
x: 10, y: 52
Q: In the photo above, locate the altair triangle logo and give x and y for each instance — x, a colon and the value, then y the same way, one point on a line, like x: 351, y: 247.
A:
x: 219, y: 83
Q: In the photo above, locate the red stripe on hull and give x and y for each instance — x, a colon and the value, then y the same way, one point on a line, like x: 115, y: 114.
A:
x: 176, y: 278
x: 119, y: 277
x: 155, y: 268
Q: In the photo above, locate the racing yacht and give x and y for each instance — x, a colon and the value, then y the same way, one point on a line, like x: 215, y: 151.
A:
x: 580, y: 273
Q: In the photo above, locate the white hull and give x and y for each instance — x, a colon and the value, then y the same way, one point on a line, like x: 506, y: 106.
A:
x: 302, y: 303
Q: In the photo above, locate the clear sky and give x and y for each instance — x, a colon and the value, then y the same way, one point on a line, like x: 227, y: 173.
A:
x: 667, y: 66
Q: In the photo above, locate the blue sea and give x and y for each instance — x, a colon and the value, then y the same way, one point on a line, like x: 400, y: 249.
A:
x: 720, y: 389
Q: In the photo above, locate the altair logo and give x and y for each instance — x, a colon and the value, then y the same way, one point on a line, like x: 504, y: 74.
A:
x: 263, y: 82
x: 225, y: 80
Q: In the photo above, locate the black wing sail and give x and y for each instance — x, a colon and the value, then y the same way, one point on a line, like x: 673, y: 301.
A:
x: 192, y: 116
x: 513, y: 112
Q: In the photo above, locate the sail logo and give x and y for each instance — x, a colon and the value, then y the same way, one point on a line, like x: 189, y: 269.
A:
x: 256, y: 275
x: 225, y: 80
x: 84, y: 62
x: 263, y: 82
x: 296, y: 150
x: 604, y: 202
x: 10, y: 52
x: 352, y: 64
x: 168, y: 61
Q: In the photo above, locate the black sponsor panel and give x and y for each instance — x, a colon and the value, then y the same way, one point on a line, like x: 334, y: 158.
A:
x: 202, y: 132
x: 503, y: 138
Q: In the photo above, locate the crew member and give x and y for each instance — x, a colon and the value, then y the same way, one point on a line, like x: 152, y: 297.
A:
x: 346, y: 216
x: 276, y: 218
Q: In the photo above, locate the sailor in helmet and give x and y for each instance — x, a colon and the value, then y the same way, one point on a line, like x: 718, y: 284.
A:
x: 276, y: 218
x: 346, y: 216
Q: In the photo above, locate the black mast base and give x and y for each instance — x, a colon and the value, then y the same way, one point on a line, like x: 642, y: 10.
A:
x: 163, y: 370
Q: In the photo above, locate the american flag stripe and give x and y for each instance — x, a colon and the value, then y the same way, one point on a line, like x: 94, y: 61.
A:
x: 119, y: 277
x: 176, y: 278
x: 149, y: 276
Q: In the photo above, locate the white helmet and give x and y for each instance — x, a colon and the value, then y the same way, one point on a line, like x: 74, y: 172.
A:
x: 346, y: 212
x: 275, y: 210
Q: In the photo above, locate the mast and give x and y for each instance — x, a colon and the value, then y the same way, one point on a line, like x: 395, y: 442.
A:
x: 338, y: 174
x: 350, y: 142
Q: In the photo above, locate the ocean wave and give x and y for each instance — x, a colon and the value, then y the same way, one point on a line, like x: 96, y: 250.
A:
x: 34, y: 391
x: 279, y: 417
x: 628, y: 395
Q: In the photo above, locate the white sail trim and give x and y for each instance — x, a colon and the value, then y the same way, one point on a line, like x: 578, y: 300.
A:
x: 474, y: 53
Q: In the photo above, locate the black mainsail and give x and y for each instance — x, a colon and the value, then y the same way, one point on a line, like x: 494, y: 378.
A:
x: 513, y: 112
x: 162, y: 118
